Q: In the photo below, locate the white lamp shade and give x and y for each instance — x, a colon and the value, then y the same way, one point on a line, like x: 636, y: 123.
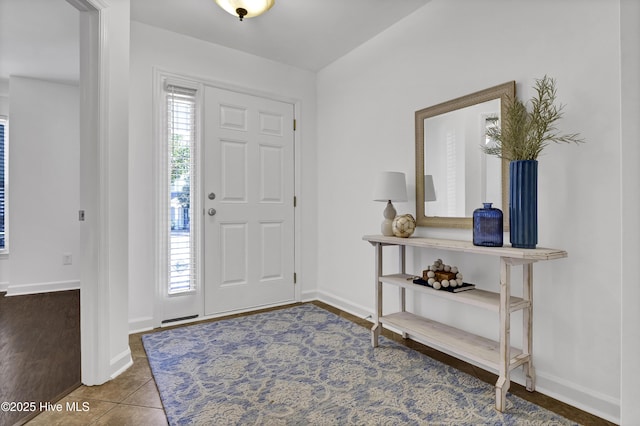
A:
x: 429, y: 189
x: 253, y: 7
x: 390, y: 186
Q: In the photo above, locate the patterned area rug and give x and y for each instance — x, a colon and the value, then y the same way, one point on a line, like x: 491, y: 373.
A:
x: 307, y: 366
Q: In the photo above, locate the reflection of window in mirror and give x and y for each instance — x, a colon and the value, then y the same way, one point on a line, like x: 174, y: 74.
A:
x: 452, y: 170
x: 489, y: 180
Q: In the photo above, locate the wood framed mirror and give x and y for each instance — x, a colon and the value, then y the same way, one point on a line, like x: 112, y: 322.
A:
x: 459, y: 176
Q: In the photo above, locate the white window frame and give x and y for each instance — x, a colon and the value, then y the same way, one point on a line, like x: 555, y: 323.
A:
x: 4, y: 251
x: 162, y: 180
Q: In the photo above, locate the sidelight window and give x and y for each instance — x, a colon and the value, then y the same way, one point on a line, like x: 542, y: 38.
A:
x: 3, y: 184
x: 181, y: 143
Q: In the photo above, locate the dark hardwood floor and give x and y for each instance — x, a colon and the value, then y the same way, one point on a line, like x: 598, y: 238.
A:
x: 39, y: 349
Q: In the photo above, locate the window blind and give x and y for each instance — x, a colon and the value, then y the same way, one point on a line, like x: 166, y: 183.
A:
x: 181, y: 132
x: 3, y: 168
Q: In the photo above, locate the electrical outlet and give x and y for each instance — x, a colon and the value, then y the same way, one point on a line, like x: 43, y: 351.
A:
x: 67, y: 259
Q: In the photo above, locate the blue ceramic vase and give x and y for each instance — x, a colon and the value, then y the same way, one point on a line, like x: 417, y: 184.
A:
x: 487, y: 226
x: 523, y: 203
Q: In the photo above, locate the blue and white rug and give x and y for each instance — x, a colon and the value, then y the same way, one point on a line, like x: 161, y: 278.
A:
x: 307, y: 366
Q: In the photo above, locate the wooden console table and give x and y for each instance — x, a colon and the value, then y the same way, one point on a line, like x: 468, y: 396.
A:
x: 499, y: 355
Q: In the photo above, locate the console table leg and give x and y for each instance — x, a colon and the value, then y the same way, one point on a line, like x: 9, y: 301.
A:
x: 527, y: 325
x: 375, y: 331
x: 402, y: 266
x: 375, y: 334
x: 504, y: 380
x: 530, y: 374
x: 502, y: 386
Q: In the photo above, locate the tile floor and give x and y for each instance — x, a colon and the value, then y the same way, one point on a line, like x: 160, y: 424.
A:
x: 132, y: 398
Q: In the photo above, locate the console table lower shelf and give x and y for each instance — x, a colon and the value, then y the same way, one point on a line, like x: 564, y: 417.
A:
x: 476, y: 348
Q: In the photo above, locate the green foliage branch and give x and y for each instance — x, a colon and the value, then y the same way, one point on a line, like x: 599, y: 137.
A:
x: 180, y: 159
x: 524, y: 133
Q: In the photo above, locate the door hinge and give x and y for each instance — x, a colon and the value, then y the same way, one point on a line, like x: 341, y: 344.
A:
x: 295, y: 278
x: 295, y: 201
x: 295, y: 124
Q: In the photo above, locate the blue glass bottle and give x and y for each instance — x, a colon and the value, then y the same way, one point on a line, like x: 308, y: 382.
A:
x: 487, y: 226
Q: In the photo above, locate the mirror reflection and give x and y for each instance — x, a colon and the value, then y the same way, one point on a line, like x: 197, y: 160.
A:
x: 468, y: 177
x: 453, y: 176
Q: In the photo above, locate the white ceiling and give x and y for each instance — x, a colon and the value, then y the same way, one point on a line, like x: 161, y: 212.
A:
x: 307, y: 34
x: 39, y: 38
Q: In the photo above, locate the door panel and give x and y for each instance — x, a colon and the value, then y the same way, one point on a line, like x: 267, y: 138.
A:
x: 248, y: 164
x: 234, y: 171
x: 271, y: 179
x: 233, y: 244
x: 271, y: 254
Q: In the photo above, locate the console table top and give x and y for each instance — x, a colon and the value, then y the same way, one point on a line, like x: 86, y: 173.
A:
x: 468, y: 247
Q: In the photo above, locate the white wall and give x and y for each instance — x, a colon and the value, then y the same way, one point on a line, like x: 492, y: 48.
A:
x: 630, y: 318
x: 44, y: 188
x: 366, y: 102
x: 155, y: 48
x: 4, y: 96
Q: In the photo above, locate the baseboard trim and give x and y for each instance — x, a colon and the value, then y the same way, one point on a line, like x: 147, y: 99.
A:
x: 139, y: 325
x: 35, y: 288
x: 120, y: 363
x: 578, y: 396
x: 307, y: 296
x: 345, y: 305
x: 570, y: 393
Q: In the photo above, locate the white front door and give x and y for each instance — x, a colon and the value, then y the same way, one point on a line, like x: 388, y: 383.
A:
x: 248, y: 184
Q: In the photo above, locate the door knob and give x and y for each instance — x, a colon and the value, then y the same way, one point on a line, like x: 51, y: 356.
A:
x: 212, y: 212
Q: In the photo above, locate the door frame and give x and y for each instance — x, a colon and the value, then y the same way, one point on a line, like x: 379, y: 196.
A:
x: 94, y: 175
x: 159, y: 76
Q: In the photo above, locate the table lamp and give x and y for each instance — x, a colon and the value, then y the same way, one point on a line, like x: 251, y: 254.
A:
x: 390, y: 186
x: 429, y: 189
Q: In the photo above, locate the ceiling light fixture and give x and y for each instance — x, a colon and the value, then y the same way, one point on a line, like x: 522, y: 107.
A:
x: 245, y: 8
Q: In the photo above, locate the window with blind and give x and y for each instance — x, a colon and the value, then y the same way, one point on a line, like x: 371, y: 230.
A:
x: 181, y: 143
x: 3, y: 182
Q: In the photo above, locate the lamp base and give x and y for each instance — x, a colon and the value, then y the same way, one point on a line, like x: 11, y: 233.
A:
x: 387, y: 224
x: 387, y: 228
